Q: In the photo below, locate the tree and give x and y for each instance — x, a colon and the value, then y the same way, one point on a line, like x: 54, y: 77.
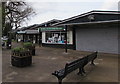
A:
x: 14, y: 13
x: 0, y: 19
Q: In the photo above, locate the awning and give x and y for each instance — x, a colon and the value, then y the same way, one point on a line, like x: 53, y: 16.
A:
x: 32, y: 31
x: 21, y: 32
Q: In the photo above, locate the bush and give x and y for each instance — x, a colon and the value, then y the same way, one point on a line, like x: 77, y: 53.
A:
x: 30, y: 47
x: 27, y: 44
x: 19, y: 49
x: 21, y: 57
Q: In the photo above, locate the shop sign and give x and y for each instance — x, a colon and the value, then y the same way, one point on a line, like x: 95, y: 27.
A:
x: 52, y: 29
x: 21, y: 32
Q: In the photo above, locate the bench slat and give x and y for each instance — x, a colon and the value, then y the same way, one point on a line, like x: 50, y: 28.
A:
x: 76, y: 64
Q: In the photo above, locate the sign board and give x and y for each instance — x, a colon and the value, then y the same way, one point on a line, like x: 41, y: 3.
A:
x: 52, y: 29
x: 21, y: 32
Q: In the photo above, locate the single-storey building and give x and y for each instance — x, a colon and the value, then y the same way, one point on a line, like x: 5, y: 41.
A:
x: 32, y: 33
x: 56, y: 37
x: 27, y: 33
x: 91, y: 31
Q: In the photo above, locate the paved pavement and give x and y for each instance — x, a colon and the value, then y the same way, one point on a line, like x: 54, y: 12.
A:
x: 47, y: 60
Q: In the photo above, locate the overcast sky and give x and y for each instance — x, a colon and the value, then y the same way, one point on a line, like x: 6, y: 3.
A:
x: 62, y: 9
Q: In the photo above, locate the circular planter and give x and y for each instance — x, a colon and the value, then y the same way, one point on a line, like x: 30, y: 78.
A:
x: 30, y: 47
x: 21, y: 59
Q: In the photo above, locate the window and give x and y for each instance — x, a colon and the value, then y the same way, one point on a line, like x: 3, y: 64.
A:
x: 55, y: 37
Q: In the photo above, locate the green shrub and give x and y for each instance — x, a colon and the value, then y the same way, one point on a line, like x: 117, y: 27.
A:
x: 19, y: 49
x: 27, y: 44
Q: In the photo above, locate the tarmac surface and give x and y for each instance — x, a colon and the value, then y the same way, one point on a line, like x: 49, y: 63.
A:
x: 47, y: 60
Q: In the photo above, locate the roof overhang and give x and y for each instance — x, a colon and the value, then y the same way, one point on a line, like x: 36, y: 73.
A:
x: 32, y: 31
x: 21, y: 32
x: 98, y: 22
x: 86, y: 14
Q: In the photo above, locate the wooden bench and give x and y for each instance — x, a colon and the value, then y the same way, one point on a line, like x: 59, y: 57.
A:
x: 77, y: 64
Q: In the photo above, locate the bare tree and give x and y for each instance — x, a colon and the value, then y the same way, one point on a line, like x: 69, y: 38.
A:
x: 14, y: 13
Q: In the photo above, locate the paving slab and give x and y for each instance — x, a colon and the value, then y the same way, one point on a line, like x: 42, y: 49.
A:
x: 47, y: 60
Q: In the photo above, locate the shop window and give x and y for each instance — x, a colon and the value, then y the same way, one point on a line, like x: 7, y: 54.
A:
x: 55, y: 37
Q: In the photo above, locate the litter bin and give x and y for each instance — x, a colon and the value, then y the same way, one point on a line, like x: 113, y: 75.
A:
x: 8, y: 44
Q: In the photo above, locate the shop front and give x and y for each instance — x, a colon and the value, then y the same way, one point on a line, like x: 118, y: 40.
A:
x: 95, y: 31
x: 20, y: 36
x: 28, y: 35
x: 57, y: 37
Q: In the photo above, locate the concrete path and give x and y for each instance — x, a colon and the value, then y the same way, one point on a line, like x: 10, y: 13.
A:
x: 47, y: 60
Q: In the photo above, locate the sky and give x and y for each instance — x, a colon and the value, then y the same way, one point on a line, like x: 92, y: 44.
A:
x: 47, y: 10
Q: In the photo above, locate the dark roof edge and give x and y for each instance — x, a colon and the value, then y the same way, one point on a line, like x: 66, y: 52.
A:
x: 37, y: 25
x: 91, y: 22
x: 84, y: 14
x: 50, y: 21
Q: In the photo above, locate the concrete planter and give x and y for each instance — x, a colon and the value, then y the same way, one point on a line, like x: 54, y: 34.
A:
x: 30, y: 47
x: 21, y: 59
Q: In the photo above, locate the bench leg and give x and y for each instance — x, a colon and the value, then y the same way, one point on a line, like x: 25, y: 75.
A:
x: 59, y: 81
x: 92, y: 62
x: 80, y: 72
x: 83, y: 70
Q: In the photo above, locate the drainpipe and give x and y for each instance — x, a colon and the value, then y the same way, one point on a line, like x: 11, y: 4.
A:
x: 66, y: 38
x: 39, y: 37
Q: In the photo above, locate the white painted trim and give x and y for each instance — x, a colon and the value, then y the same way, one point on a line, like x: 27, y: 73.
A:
x: 107, y: 12
x: 43, y: 37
